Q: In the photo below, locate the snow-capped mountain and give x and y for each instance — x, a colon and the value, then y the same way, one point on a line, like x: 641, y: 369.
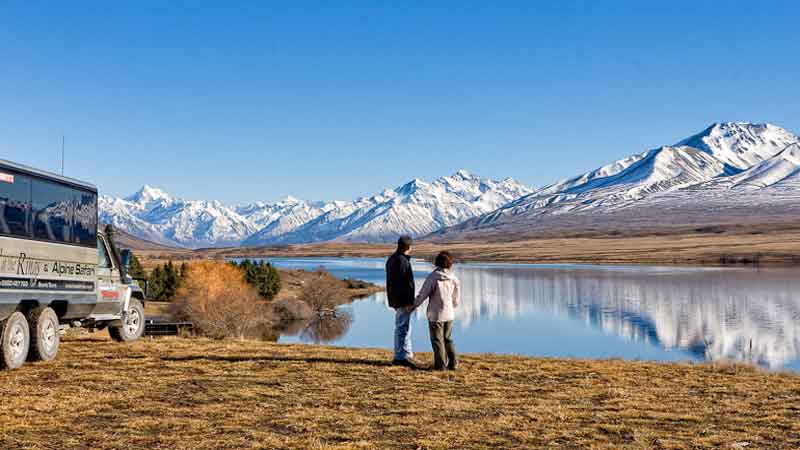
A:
x: 416, y: 208
x: 723, y: 156
x: 156, y: 216
x: 781, y: 171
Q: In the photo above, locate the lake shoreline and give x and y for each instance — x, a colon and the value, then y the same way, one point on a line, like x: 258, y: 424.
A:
x: 310, y: 396
x: 763, y: 248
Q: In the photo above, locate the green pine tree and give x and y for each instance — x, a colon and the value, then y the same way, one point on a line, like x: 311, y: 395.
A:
x: 170, y: 283
x: 135, y: 269
x: 156, y: 283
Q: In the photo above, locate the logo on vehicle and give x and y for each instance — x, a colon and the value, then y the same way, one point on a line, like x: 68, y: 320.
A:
x: 6, y: 177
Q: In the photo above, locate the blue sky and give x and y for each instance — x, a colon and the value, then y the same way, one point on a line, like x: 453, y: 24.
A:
x: 243, y: 101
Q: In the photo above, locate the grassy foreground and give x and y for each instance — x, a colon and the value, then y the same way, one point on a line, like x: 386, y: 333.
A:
x: 198, y: 394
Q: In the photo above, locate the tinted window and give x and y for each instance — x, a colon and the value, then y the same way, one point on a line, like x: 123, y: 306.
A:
x: 84, y: 229
x: 15, y: 191
x: 52, y: 211
x: 102, y: 255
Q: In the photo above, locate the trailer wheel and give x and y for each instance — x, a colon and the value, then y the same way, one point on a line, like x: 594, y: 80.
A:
x: 15, y: 339
x: 132, y: 325
x: 43, y: 323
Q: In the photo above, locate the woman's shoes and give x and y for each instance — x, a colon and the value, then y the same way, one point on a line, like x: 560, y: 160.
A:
x: 408, y: 362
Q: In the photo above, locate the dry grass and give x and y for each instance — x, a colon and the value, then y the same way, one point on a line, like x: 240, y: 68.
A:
x: 201, y: 394
x: 708, y: 246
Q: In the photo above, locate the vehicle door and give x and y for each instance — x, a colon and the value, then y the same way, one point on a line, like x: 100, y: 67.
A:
x: 110, y: 292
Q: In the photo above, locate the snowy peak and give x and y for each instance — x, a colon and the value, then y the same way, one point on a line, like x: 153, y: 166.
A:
x: 417, y: 207
x: 740, y: 144
x: 149, y: 194
x: 724, y: 156
x: 152, y: 214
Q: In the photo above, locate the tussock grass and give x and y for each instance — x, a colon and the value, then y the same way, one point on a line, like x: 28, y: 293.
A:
x: 200, y: 394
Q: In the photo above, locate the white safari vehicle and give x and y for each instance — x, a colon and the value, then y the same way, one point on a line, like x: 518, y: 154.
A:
x: 56, y: 269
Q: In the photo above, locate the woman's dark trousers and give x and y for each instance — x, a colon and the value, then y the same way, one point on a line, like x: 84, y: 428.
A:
x: 444, y: 352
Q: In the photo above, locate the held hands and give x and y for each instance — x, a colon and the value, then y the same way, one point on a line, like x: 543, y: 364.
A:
x: 410, y: 308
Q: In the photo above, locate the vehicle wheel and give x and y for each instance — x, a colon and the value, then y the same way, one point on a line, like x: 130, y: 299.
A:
x: 132, y: 324
x: 43, y: 323
x: 16, y: 339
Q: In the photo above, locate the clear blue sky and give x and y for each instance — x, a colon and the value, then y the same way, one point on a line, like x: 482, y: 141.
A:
x: 242, y: 101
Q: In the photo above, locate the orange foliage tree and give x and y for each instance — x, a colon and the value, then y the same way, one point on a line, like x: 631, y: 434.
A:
x: 216, y: 298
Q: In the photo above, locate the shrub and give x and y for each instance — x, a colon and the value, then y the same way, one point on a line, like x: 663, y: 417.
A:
x: 323, y: 293
x: 220, y: 303
x: 353, y: 283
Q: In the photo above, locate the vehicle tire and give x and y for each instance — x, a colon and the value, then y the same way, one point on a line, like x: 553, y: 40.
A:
x: 132, y: 325
x: 45, y: 335
x: 15, y: 340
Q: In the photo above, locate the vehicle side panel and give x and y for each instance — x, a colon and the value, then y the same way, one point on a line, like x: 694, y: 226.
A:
x: 44, y: 273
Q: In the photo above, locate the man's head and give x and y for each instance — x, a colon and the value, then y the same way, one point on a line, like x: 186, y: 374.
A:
x: 404, y: 244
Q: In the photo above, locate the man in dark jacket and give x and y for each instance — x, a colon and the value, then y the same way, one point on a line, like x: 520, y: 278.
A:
x: 400, y: 291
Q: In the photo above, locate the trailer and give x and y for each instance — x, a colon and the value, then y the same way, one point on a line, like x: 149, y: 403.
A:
x: 57, y: 269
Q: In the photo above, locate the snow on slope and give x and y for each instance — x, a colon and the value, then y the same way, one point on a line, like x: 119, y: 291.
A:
x: 416, y: 208
x: 781, y: 171
x: 740, y: 144
x: 724, y: 153
x: 154, y: 215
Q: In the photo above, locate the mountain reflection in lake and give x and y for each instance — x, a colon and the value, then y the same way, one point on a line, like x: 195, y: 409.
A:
x: 659, y: 313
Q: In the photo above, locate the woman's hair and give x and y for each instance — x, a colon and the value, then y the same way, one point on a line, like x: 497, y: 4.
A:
x: 444, y: 260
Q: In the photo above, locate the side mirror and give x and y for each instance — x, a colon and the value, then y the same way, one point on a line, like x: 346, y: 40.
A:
x: 125, y: 258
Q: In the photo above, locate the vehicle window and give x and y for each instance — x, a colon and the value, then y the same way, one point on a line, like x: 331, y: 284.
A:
x: 84, y: 230
x: 15, y: 192
x: 52, y: 211
x: 103, y: 260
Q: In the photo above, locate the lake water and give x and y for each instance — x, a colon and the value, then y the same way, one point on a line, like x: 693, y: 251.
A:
x: 591, y: 311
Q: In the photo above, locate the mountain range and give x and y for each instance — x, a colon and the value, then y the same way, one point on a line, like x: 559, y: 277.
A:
x: 730, y: 170
x: 417, y: 208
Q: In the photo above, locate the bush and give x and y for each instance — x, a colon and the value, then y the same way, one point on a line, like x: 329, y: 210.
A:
x: 353, y: 283
x: 323, y: 293
x: 261, y: 275
x: 220, y: 303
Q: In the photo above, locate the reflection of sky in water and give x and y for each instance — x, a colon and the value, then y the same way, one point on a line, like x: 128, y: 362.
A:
x: 584, y: 311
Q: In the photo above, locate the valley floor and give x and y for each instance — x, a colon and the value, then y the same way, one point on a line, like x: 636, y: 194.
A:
x: 198, y: 394
x: 713, y: 245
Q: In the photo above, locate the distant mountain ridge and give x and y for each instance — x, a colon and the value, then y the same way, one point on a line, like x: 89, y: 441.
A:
x: 417, y: 208
x: 708, y: 167
x: 730, y: 171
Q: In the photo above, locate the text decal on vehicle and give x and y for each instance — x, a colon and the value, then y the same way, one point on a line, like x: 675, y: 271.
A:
x: 52, y: 285
x: 6, y: 177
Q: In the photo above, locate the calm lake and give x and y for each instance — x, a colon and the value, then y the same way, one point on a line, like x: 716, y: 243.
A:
x: 591, y: 311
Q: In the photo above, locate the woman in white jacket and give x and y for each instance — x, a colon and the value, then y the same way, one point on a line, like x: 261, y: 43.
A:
x: 442, y: 290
